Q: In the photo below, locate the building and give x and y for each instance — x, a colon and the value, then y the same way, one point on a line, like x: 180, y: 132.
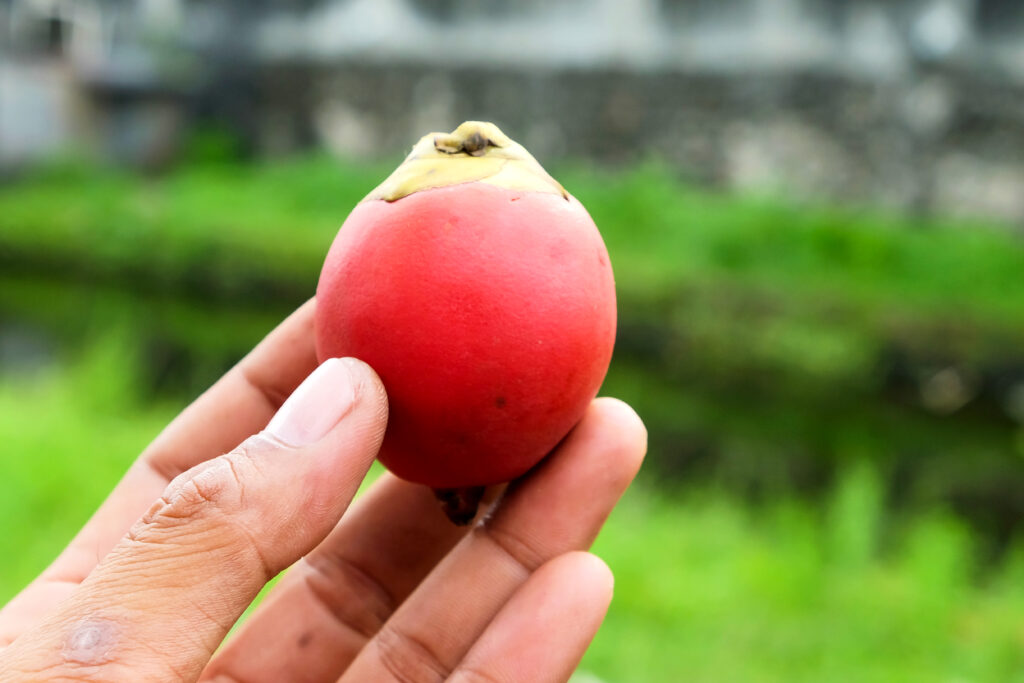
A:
x: 912, y: 103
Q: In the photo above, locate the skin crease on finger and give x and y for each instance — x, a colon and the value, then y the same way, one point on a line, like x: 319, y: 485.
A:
x: 325, y: 609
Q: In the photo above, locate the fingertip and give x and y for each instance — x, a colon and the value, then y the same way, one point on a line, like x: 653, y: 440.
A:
x: 317, y: 406
x: 370, y: 388
x: 368, y: 377
x: 587, y: 573
x: 600, y: 572
x: 616, y: 412
x: 543, y: 630
x: 306, y: 312
x: 612, y: 428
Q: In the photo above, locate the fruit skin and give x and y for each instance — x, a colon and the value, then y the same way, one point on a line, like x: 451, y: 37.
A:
x: 489, y: 315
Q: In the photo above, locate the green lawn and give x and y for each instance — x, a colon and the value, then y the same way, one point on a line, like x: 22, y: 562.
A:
x: 708, y: 587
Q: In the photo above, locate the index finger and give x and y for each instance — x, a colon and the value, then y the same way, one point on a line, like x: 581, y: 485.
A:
x: 239, y: 404
x: 557, y: 508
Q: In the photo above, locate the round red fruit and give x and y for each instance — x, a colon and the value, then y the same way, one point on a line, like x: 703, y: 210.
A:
x: 482, y: 294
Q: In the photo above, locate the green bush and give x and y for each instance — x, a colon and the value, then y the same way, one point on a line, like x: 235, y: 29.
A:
x: 763, y: 341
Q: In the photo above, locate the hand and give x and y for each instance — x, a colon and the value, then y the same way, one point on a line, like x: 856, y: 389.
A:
x: 392, y: 591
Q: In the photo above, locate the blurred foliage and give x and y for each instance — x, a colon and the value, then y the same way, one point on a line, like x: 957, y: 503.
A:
x: 766, y: 343
x: 708, y: 586
x: 710, y: 589
x: 837, y: 388
x: 69, y: 433
x: 211, y: 144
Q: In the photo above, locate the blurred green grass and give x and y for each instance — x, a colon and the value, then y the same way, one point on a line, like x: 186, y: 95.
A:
x: 68, y: 433
x: 709, y: 587
x: 810, y: 510
x: 793, y: 332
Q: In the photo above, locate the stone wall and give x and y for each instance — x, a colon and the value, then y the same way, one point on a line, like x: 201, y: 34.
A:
x: 942, y: 142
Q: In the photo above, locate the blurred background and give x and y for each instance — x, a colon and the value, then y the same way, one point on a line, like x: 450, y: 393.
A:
x: 815, y: 210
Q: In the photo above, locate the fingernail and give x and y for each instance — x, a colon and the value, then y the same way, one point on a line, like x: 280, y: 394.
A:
x: 316, y: 406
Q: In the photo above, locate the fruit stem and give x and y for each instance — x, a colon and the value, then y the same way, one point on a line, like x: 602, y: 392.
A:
x: 460, y: 504
x: 472, y: 138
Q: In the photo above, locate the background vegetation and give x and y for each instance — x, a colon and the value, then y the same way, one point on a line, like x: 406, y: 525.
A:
x: 835, y: 400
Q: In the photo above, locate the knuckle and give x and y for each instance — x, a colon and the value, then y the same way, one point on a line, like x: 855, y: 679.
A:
x: 355, y: 598
x: 216, y: 488
x: 408, y: 658
x: 519, y: 550
x: 195, y: 494
x: 214, y: 506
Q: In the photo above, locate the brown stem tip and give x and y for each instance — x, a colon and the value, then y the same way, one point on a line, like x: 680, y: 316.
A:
x: 460, y: 505
x: 475, y: 144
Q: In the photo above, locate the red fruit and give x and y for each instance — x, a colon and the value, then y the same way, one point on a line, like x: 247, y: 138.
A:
x: 482, y: 295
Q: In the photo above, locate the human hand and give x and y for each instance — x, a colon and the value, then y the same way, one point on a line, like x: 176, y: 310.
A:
x: 147, y: 591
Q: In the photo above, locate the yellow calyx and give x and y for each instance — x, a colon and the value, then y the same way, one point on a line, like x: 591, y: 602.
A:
x: 476, y: 151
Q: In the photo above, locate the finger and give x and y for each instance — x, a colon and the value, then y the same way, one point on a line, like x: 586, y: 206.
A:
x: 238, y: 405
x: 558, y: 508
x: 162, y: 600
x: 541, y: 634
x: 332, y: 601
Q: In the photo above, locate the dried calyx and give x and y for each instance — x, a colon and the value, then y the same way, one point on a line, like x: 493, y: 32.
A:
x: 476, y: 151
x: 460, y: 505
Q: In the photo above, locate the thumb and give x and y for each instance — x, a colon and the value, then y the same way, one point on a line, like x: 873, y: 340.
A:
x: 159, y: 604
